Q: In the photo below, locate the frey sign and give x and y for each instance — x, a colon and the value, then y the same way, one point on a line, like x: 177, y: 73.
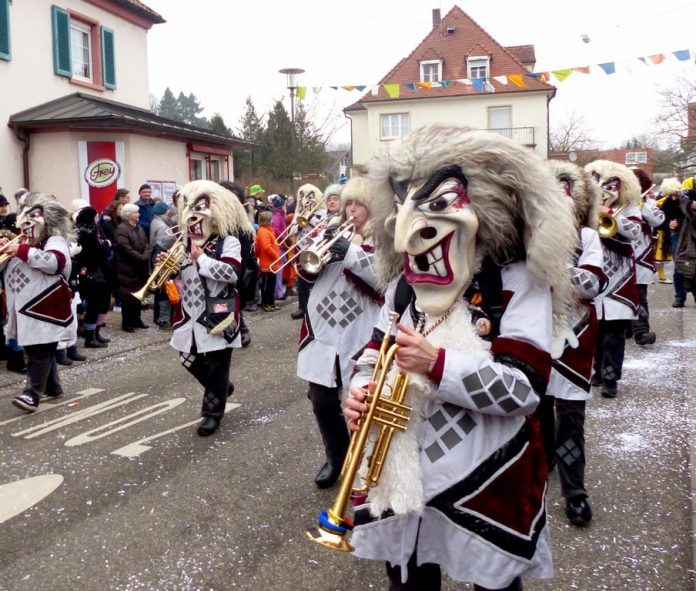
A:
x: 101, y: 171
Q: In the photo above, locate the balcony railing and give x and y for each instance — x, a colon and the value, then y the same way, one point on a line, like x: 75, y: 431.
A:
x: 519, y: 135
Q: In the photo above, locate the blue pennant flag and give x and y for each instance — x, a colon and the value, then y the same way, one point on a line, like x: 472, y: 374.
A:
x: 682, y: 55
x: 609, y: 67
x: 479, y: 83
x: 411, y: 86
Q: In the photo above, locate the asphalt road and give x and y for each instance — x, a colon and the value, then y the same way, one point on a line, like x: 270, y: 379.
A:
x: 138, y: 501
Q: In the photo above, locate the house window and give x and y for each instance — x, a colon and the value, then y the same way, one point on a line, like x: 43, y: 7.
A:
x: 431, y: 71
x: 215, y: 170
x: 197, y: 169
x: 5, y: 53
x: 82, y: 49
x: 477, y: 67
x: 636, y: 158
x: 394, y: 125
x: 500, y: 120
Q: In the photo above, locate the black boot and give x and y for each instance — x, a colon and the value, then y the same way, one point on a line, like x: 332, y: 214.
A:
x: 15, y: 361
x: 98, y: 337
x: 62, y: 358
x: 74, y: 354
x: 91, y: 342
x: 208, y: 426
x: 326, y: 405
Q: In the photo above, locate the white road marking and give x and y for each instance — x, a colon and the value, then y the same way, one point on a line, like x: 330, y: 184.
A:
x: 129, y: 420
x: 133, y: 450
x: 61, y: 422
x: 20, y: 495
x: 44, y: 407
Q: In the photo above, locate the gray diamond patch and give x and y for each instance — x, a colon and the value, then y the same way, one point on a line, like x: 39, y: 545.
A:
x: 434, y: 452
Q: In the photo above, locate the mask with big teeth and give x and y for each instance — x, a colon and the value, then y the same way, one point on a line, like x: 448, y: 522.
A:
x: 434, y: 226
x: 32, y: 224
x: 611, y: 190
x: 198, y: 220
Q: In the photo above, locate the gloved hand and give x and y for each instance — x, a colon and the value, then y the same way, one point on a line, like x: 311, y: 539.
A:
x: 339, y: 249
x: 563, y: 335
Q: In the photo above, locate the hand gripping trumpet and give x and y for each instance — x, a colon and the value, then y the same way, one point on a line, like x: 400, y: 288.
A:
x: 165, y: 269
x: 391, y: 415
x: 4, y: 254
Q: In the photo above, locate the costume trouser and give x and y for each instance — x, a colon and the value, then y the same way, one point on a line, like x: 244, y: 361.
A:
x: 212, y: 370
x: 547, y: 418
x: 268, y: 282
x: 427, y: 577
x: 678, y: 278
x: 130, y: 312
x: 611, y: 344
x: 42, y: 371
x: 641, y: 325
x: 303, y: 289
x: 326, y: 404
x: 570, y: 446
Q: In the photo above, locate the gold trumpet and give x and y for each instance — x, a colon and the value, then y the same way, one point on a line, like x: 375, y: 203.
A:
x: 300, y: 221
x: 606, y: 225
x: 165, y: 269
x: 317, y: 255
x: 275, y: 266
x: 18, y: 239
x: 391, y: 415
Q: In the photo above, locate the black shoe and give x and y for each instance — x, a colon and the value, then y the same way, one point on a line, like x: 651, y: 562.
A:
x: 578, y: 511
x: 230, y: 389
x: 141, y: 324
x: 596, y: 380
x: 647, y: 338
x: 609, y: 389
x: 127, y: 329
x: 98, y: 337
x: 297, y: 314
x: 91, y: 342
x: 208, y: 426
x: 251, y: 308
x: 327, y: 476
x: 246, y: 338
x: 62, y: 357
x: 678, y: 304
x: 74, y: 354
x: 26, y: 403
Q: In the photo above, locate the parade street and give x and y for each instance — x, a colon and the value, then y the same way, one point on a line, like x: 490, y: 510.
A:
x: 110, y: 488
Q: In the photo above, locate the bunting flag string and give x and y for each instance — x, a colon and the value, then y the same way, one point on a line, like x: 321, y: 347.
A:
x: 394, y: 89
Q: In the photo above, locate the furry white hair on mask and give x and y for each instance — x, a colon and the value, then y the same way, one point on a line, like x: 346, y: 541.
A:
x: 228, y: 215
x: 670, y: 186
x: 520, y: 208
x: 307, y: 192
x: 579, y: 185
x: 55, y: 216
x: 630, y: 187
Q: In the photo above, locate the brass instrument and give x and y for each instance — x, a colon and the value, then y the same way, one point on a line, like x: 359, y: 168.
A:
x: 606, y: 226
x: 642, y: 195
x: 165, y: 269
x: 316, y: 256
x: 391, y: 415
x: 17, y: 239
x: 300, y: 221
x: 275, y: 266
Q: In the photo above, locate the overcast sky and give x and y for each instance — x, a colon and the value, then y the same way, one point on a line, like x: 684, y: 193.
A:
x: 224, y: 51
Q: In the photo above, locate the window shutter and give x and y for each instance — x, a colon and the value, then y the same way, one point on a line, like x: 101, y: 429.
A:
x: 61, y: 42
x: 5, y: 29
x: 108, y: 58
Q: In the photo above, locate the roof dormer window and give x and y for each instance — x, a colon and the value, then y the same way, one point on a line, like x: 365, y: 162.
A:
x: 431, y: 71
x: 478, y: 66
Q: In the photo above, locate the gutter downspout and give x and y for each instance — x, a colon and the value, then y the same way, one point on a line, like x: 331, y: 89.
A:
x: 24, y: 137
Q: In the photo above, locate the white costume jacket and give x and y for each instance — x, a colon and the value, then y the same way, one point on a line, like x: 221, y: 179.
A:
x: 449, y: 482
x: 188, y: 326
x: 644, y: 252
x: 571, y: 374
x: 38, y: 294
x: 619, y: 299
x: 343, y: 307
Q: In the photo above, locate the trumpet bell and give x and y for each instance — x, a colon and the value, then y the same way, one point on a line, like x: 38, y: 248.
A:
x: 331, y: 532
x: 141, y: 293
x: 311, y: 262
x: 606, y: 227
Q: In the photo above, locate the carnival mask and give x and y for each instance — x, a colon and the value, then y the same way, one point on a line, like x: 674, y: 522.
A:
x: 198, y: 221
x: 434, y: 226
x: 32, y: 224
x: 611, y: 189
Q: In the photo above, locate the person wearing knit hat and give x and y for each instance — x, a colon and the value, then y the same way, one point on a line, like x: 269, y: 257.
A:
x: 343, y: 305
x: 332, y: 194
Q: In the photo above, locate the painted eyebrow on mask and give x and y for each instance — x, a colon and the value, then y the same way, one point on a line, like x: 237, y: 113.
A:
x: 400, y: 188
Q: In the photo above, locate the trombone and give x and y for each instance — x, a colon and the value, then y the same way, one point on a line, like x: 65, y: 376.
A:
x: 299, y: 222
x: 317, y: 255
x: 391, y: 415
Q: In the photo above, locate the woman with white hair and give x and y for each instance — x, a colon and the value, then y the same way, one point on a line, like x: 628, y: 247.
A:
x: 132, y: 258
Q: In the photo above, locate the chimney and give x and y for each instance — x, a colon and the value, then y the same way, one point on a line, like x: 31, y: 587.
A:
x: 436, y: 18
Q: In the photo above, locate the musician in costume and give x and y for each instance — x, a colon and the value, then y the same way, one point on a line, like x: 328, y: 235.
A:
x: 309, y: 204
x: 644, y: 253
x: 211, y: 217
x: 575, y: 343
x: 617, y: 304
x: 38, y: 294
x: 474, y: 236
x: 343, y: 306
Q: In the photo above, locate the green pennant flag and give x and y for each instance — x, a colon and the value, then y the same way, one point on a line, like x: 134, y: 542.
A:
x: 301, y: 92
x: 392, y: 90
x: 561, y: 75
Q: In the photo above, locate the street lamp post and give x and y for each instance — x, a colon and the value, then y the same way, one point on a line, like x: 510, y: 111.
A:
x: 291, y: 76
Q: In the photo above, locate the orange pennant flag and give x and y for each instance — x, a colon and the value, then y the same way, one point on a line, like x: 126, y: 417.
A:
x: 582, y: 69
x: 348, y: 87
x: 657, y: 59
x: 425, y: 85
x: 517, y: 80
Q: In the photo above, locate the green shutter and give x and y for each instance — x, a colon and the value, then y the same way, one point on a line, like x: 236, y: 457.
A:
x: 5, y: 53
x: 61, y: 42
x: 108, y: 58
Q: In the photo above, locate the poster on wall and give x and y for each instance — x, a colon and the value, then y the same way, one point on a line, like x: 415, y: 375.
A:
x: 168, y: 190
x: 101, y: 171
x: 156, y: 187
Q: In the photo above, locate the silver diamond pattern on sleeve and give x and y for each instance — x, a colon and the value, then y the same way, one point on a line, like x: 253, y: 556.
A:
x: 487, y: 388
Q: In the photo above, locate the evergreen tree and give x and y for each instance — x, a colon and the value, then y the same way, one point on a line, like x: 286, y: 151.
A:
x: 247, y: 163
x: 189, y: 109
x: 217, y: 125
x: 310, y: 145
x: 168, y: 106
x: 276, y: 152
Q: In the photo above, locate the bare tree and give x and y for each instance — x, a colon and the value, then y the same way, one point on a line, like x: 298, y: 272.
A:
x: 571, y: 134
x: 672, y: 125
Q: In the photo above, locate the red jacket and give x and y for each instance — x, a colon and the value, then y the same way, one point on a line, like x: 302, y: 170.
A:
x: 266, y: 249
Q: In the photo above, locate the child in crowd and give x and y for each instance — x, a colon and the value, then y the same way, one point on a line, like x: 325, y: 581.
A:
x: 267, y: 251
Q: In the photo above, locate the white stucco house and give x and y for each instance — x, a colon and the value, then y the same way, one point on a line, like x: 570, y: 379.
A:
x: 458, y: 74
x: 75, y: 105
